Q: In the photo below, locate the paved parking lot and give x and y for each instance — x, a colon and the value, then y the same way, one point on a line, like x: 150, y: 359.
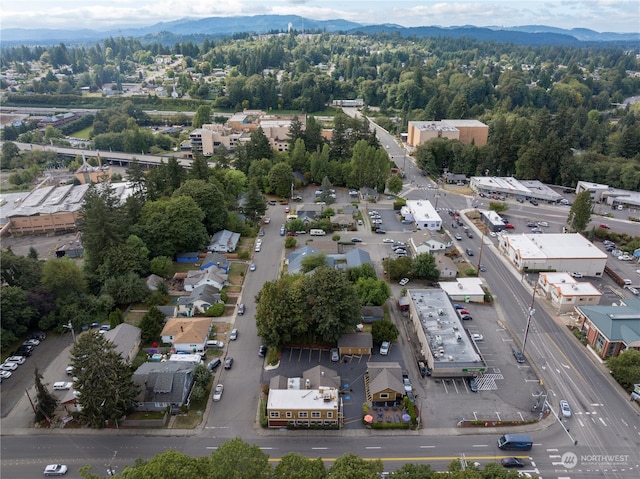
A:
x: 505, y: 392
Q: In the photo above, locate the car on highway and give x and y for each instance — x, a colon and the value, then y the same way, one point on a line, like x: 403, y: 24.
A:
x: 262, y: 351
x: 335, y: 355
x: 512, y: 462
x: 384, y: 348
x: 483, y: 268
x: 519, y: 356
x: 469, y: 251
x: 477, y: 337
x: 565, y: 409
x: 228, y: 363
x: 234, y: 335
x: 55, y: 470
x: 403, y: 281
x: 252, y: 267
x: 217, y: 393
x: 241, y: 309
x: 458, y: 236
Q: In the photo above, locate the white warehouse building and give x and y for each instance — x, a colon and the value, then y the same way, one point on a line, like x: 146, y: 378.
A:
x: 554, y: 252
x: 423, y: 214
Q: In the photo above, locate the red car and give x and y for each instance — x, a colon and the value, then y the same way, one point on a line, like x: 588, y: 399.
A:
x: 463, y: 311
x: 284, y: 202
x: 604, y: 226
x: 509, y: 226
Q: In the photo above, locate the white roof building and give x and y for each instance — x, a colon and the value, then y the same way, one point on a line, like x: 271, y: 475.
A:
x: 423, y: 214
x: 464, y: 289
x: 554, y: 252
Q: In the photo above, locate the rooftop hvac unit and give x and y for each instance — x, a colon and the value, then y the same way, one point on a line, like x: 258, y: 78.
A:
x: 307, y: 384
x: 440, y: 311
x: 460, y: 286
x: 459, y: 337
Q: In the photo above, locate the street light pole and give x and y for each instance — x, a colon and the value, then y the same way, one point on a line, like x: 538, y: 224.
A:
x: 70, y: 326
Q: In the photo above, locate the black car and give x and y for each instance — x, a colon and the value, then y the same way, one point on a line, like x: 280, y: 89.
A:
x: 39, y: 335
x: 473, y: 385
x: 512, y: 462
x: 469, y: 251
x: 262, y: 351
x: 519, y: 356
x: 381, y: 231
x: 228, y: 363
x: 356, y: 240
x: 24, y: 351
x: 533, y: 202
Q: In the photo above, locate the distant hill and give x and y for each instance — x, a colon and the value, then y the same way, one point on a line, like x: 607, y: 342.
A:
x: 216, y: 27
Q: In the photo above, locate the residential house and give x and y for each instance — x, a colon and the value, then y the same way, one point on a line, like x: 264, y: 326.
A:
x: 368, y: 194
x: 343, y: 221
x: 383, y: 383
x: 610, y: 330
x: 294, y: 259
x: 201, y: 298
x: 187, y: 334
x: 224, y: 241
x: 212, y: 276
x: 216, y: 259
x: 153, y: 281
x: 126, y: 339
x: 446, y: 266
x: 163, y: 384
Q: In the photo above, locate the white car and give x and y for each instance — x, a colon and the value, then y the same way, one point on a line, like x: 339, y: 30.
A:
x: 62, y: 386
x: 389, y: 240
x: 259, y: 242
x: 477, y: 337
x: 9, y: 366
x: 234, y: 335
x: 543, y: 223
x: 625, y: 257
x: 217, y: 393
x: 69, y: 370
x: 565, y: 409
x: 16, y: 359
x: 55, y: 470
x: 576, y: 275
x: 267, y: 220
x: 5, y: 374
x: 257, y: 249
x: 31, y: 342
x: 384, y: 348
x: 403, y: 281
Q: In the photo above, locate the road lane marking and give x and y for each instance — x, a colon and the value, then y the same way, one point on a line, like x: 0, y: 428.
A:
x: 427, y: 447
x: 602, y: 421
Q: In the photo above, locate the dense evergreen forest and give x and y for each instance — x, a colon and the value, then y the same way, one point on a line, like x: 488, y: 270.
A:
x: 555, y: 113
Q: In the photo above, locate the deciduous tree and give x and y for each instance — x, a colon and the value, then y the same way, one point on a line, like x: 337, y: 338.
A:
x: 580, y: 212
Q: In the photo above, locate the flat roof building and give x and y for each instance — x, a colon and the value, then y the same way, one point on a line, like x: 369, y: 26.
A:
x: 423, y: 214
x: 447, y: 348
x: 512, y: 187
x: 553, y: 252
x: 466, y: 131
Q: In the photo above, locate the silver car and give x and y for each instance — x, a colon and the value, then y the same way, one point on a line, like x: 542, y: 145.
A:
x: 565, y: 409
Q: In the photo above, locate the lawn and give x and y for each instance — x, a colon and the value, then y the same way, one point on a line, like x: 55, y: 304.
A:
x: 83, y: 134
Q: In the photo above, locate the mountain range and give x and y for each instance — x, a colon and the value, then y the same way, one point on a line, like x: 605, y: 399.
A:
x: 218, y: 27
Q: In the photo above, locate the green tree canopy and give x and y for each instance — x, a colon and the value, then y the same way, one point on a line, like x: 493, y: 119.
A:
x: 625, y: 368
x: 580, y: 212
x: 210, y: 200
x: 104, y: 383
x: 384, y: 330
x: 63, y: 278
x: 280, y: 179
x: 372, y: 292
x: 424, y: 266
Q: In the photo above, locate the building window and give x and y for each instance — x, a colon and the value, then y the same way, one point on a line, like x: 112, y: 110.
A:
x: 329, y: 415
x: 384, y: 395
x: 274, y: 414
x: 315, y: 414
x: 289, y: 414
x: 303, y: 414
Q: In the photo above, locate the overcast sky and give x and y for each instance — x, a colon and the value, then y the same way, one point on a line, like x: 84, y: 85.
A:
x: 598, y: 15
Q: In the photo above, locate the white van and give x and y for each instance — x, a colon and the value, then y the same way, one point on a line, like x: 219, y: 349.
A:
x: 317, y: 232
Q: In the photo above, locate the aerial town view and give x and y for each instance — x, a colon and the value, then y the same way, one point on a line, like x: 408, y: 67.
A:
x: 332, y: 240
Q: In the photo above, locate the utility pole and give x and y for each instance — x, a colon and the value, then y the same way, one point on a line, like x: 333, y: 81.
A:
x: 531, y: 313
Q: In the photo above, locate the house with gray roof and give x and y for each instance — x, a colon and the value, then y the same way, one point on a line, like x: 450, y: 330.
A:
x: 610, y: 330
x: 216, y: 259
x: 212, y: 276
x: 126, y: 339
x: 294, y: 259
x: 153, y: 280
x: 224, y: 241
x: 163, y: 384
x: 201, y: 298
